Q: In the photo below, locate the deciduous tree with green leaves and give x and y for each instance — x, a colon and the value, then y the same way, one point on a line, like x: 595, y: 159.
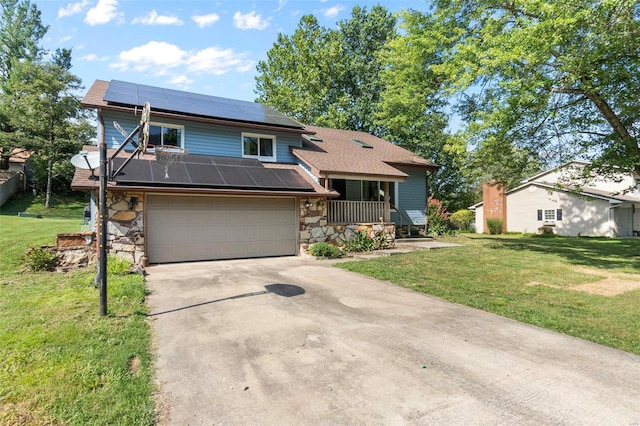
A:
x: 21, y: 31
x: 329, y: 77
x: 46, y: 114
x: 542, y: 80
x: 413, y: 112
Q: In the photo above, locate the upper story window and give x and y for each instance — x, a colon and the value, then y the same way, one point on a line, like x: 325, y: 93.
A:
x: 166, y: 134
x: 262, y: 147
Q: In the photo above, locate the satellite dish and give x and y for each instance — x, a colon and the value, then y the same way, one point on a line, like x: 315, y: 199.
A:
x: 86, y: 160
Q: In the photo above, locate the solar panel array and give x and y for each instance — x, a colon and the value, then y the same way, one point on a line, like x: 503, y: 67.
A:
x: 124, y: 93
x: 211, y: 172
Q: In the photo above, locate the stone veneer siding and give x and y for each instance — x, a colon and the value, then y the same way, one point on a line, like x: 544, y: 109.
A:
x: 125, y: 230
x: 314, y: 227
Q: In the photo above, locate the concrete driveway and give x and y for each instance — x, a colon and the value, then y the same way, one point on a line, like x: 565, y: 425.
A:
x: 284, y: 341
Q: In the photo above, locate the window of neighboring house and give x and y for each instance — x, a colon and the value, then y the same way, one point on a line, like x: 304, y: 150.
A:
x: 550, y: 215
x: 262, y: 147
x: 166, y: 134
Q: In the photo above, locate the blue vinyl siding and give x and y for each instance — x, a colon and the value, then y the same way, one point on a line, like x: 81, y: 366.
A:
x: 205, y: 139
x: 412, y: 198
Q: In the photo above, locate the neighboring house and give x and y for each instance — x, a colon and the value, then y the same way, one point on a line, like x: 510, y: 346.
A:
x: 254, y: 183
x: 571, y: 205
x: 13, y: 174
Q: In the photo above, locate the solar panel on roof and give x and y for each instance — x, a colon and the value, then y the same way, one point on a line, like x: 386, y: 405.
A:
x: 170, y: 100
x: 195, y: 171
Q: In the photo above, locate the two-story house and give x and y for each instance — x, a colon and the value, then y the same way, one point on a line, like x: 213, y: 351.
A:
x: 253, y: 183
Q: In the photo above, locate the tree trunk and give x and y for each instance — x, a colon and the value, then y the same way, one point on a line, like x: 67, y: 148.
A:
x: 618, y: 127
x: 47, y: 198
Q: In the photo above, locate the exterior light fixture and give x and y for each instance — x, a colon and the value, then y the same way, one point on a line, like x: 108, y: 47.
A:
x: 133, y: 202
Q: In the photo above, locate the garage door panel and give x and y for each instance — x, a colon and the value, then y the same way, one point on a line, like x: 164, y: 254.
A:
x: 183, y: 228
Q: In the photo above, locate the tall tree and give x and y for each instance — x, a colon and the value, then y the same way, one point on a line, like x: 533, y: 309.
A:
x: 413, y: 109
x: 544, y: 80
x: 328, y: 77
x: 296, y: 78
x: 362, y: 38
x: 21, y: 31
x: 46, y: 114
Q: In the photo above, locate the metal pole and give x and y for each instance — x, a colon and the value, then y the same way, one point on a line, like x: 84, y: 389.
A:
x: 102, y: 240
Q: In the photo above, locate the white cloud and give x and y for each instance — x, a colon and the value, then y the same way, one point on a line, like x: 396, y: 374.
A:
x: 92, y: 57
x: 72, y: 8
x: 155, y: 55
x: 216, y: 61
x: 103, y: 12
x: 152, y: 18
x: 281, y: 4
x: 332, y: 12
x: 182, y: 81
x: 249, y: 21
x: 161, y: 58
x: 205, y: 20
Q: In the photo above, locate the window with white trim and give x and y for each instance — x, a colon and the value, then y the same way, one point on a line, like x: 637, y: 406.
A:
x: 161, y: 134
x: 549, y: 215
x: 262, y: 147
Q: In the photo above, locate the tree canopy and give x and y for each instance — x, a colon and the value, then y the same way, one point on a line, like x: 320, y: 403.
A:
x: 39, y: 107
x: 328, y: 77
x: 543, y: 81
x: 21, y: 30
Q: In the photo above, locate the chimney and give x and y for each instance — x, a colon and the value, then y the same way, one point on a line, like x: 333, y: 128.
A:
x: 494, y: 204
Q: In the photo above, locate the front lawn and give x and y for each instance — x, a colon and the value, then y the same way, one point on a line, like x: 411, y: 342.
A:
x: 584, y: 287
x: 60, y: 362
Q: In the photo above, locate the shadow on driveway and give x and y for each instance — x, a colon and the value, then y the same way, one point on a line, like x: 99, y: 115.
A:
x: 284, y: 290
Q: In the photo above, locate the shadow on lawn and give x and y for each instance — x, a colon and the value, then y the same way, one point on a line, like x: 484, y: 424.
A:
x: 603, y: 253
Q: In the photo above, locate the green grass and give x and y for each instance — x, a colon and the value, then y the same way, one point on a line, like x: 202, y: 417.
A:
x: 499, y: 274
x: 61, y: 362
x: 62, y: 206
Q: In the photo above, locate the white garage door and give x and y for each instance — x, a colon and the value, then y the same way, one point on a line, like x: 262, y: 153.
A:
x: 184, y: 228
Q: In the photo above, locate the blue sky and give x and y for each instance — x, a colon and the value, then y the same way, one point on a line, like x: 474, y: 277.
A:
x: 209, y: 47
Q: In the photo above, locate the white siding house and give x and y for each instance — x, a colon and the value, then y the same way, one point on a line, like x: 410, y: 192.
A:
x: 571, y: 206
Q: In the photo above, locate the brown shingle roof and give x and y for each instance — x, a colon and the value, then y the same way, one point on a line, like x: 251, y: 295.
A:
x: 95, y: 95
x: 337, y: 154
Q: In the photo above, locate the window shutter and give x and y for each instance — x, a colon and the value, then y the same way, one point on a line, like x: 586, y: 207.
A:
x: 539, y: 214
x: 559, y: 214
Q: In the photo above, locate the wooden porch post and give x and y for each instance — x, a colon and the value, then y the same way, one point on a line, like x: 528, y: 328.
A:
x: 387, y: 202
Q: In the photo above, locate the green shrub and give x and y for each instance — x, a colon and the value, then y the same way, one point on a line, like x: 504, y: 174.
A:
x: 462, y: 219
x: 325, y: 250
x: 495, y: 226
x: 40, y: 259
x: 118, y: 266
x: 360, y: 242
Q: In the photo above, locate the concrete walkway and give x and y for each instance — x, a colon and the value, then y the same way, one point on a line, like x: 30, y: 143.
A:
x: 295, y: 341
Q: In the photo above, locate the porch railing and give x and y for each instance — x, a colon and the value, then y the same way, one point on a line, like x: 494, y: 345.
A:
x: 340, y: 211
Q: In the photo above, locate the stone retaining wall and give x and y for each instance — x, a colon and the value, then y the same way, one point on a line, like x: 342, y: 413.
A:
x: 75, y: 250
